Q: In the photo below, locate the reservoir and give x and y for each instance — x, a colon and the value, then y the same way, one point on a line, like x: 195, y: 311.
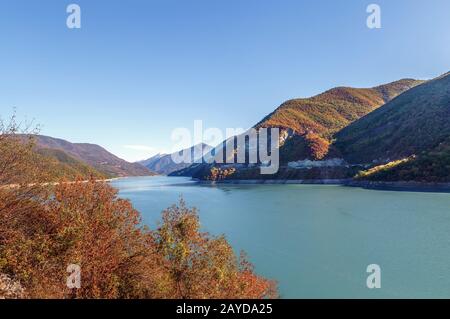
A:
x: 316, y: 241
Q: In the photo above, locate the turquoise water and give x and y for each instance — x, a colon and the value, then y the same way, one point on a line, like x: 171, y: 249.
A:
x: 317, y: 240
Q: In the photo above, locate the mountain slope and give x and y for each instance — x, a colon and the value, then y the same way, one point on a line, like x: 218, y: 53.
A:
x: 163, y: 163
x: 307, y: 126
x: 93, y: 155
x: 429, y: 167
x: 310, y: 123
x: 59, y: 165
x: 416, y: 121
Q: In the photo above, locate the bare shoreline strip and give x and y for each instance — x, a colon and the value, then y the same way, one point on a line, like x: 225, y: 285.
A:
x: 381, y: 185
x: 12, y: 186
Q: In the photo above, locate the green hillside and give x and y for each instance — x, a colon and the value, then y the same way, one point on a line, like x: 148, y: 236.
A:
x: 415, y: 122
x: 92, y: 155
x: 428, y: 167
x: 312, y: 122
x: 307, y: 128
x: 59, y: 165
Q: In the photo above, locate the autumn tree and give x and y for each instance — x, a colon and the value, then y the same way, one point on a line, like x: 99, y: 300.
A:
x: 85, y: 223
x: 19, y: 175
x: 199, y: 265
x: 21, y: 196
x: 102, y: 234
x: 45, y: 227
x: 17, y: 165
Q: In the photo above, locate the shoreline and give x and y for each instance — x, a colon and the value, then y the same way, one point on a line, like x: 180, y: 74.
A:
x: 276, y: 181
x: 411, y: 186
x: 375, y: 185
x: 401, y: 186
x: 12, y: 186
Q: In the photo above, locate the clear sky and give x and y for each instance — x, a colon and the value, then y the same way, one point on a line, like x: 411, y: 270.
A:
x: 138, y: 69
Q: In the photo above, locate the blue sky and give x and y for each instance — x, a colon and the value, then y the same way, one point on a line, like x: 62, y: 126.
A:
x: 138, y: 69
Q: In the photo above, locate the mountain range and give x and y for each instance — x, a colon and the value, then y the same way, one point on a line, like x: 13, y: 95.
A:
x: 416, y: 121
x: 393, y: 132
x: 83, y: 159
x: 408, y: 139
x: 388, y: 132
x: 163, y: 163
x: 308, y: 125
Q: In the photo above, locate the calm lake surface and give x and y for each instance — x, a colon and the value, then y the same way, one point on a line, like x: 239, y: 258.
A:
x: 317, y: 240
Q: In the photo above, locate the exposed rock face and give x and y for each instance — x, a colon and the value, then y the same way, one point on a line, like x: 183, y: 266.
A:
x: 334, y: 162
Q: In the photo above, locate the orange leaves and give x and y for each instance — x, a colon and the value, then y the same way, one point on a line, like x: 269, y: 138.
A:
x: 318, y: 146
x: 104, y: 235
x: 84, y: 223
x: 199, y: 265
x: 45, y: 227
